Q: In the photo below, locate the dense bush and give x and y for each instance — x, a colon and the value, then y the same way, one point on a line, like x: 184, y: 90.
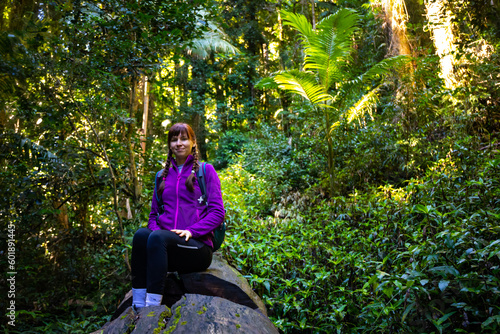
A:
x: 423, y: 257
x: 229, y: 146
x: 288, y: 163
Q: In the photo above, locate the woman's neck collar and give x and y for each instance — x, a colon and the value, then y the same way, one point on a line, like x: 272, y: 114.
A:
x: 188, y: 159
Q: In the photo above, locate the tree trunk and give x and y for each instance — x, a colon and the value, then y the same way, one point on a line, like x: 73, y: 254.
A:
x: 3, y: 117
x: 18, y: 12
x: 145, y: 114
x: 280, y: 36
x: 81, y: 214
x: 396, y: 18
x: 199, y: 89
x: 62, y: 215
x: 182, y: 77
x: 330, y: 152
x: 136, y: 187
x: 221, y: 107
x: 313, y: 18
x: 440, y: 24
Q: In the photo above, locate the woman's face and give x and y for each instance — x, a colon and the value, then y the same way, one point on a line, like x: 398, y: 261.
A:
x: 181, y: 147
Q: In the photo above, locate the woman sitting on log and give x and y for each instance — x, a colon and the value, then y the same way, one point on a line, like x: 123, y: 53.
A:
x: 179, y: 235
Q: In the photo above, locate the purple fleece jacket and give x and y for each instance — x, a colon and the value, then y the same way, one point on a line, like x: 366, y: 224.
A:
x: 183, y: 209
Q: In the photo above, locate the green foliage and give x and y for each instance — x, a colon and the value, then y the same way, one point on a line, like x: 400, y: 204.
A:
x: 409, y: 244
x: 229, y: 146
x: 68, y: 139
x: 415, y: 258
x: 326, y: 80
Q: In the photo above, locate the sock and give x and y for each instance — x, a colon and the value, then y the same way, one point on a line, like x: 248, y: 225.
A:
x: 138, y: 297
x: 153, y: 299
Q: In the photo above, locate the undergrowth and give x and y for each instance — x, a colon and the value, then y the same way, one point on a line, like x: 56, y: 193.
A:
x: 419, y: 258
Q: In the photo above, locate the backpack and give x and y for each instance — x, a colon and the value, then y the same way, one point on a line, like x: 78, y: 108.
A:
x: 220, y: 231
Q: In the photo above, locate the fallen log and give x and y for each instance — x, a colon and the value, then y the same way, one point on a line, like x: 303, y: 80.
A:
x: 219, y: 280
x: 192, y: 314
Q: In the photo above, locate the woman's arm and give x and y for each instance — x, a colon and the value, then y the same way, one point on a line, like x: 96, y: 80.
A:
x: 215, y: 210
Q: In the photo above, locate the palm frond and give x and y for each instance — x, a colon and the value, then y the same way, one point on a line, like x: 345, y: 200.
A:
x: 329, y: 66
x: 267, y: 83
x: 332, y: 47
x: 384, y: 67
x: 304, y: 84
x: 363, y: 105
x: 377, y: 72
x: 340, y: 26
x: 211, y: 41
x: 300, y: 23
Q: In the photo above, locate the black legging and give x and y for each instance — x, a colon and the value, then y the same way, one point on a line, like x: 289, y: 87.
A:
x: 156, y: 252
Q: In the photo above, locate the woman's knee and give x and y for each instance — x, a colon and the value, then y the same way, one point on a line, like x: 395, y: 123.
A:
x: 162, y: 238
x: 141, y: 236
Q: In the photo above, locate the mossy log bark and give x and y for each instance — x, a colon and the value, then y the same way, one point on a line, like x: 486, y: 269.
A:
x: 219, y: 280
x: 218, y: 298
x: 191, y: 314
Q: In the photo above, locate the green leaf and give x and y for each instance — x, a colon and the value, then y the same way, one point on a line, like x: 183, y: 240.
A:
x: 266, y: 83
x: 490, y: 320
x: 445, y: 270
x: 304, y: 84
x: 443, y: 285
x: 408, y: 309
x: 267, y: 286
x: 420, y: 209
x: 299, y: 22
x: 444, y: 318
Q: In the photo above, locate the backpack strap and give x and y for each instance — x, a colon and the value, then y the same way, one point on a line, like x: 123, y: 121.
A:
x: 220, y: 231
x: 159, y: 199
x: 202, y: 183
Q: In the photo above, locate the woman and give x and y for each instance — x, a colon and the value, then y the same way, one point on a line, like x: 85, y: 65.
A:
x: 179, y: 239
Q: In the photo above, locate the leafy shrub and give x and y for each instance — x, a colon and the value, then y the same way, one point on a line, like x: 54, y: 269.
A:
x: 229, y: 146
x: 288, y: 163
x: 420, y: 258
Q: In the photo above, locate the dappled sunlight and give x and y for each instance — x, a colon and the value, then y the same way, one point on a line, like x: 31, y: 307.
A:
x: 394, y: 193
x: 396, y: 17
x: 441, y: 27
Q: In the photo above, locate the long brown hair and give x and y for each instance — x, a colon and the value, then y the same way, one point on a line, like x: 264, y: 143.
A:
x: 176, y: 130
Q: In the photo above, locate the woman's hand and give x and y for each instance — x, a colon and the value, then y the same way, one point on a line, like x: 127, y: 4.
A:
x: 183, y: 233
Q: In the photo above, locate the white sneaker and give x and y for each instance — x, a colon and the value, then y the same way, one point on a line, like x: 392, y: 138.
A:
x: 138, y: 298
x: 153, y: 299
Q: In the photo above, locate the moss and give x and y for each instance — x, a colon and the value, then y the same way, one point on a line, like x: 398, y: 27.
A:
x: 162, y: 320
x: 175, y: 322
x: 130, y: 328
x: 168, y: 313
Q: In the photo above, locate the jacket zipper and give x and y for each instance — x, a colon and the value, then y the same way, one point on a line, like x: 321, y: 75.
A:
x: 177, y: 197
